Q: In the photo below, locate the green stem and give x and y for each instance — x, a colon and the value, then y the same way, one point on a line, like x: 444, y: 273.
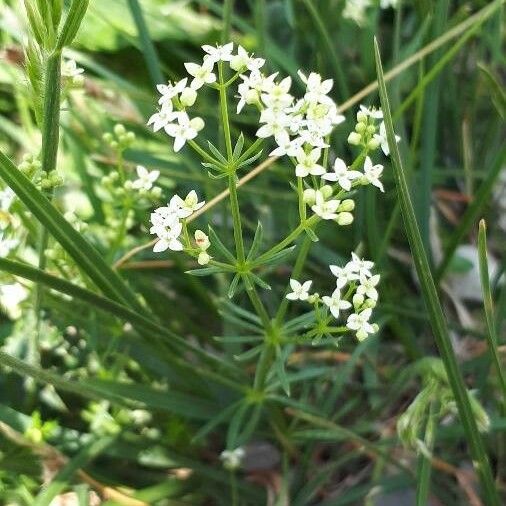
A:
x: 424, y: 461
x: 236, y: 217
x: 224, y: 113
x: 49, y: 154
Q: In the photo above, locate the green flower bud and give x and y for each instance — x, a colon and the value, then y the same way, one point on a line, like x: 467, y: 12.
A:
x: 361, y: 117
x: 347, y: 205
x: 188, y: 97
x: 326, y: 191
x: 371, y: 129
x: 309, y: 197
x: 373, y: 144
x: 197, y: 123
x: 354, y: 138
x: 344, y: 219
x: 360, y: 127
x: 119, y: 129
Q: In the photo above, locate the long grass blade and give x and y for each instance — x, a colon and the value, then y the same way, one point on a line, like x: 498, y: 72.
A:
x: 433, y: 304
x: 84, y: 254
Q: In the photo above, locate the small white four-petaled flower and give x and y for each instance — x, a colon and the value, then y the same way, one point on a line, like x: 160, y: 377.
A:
x: 300, y: 291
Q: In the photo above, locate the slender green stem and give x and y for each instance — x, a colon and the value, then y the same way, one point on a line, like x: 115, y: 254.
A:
x: 488, y: 303
x: 224, y: 113
x: 49, y: 154
x: 236, y: 218
x: 289, y: 239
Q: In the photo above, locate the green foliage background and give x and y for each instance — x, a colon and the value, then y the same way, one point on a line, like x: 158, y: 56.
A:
x: 186, y: 354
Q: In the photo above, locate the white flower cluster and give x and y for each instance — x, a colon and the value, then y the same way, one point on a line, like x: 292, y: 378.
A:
x: 232, y: 459
x: 177, y: 97
x: 299, y: 127
x: 167, y: 223
x: 360, y: 284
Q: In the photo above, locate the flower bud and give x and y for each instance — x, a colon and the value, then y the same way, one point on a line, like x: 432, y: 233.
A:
x: 347, y: 206
x: 371, y: 129
x: 128, y: 185
x: 354, y: 138
x: 358, y: 300
x: 361, y: 117
x: 313, y: 298
x: 202, y: 240
x: 309, y: 197
x: 344, y: 219
x: 326, y: 191
x: 203, y: 258
x: 119, y: 129
x: 197, y: 123
x: 188, y: 97
x: 373, y: 144
x: 360, y: 128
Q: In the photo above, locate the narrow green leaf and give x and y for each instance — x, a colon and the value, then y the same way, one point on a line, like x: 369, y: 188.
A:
x: 72, y: 23
x: 488, y: 303
x: 84, y: 254
x: 148, y: 48
x: 238, y: 146
x: 220, y: 247
x: 431, y: 298
x: 233, y: 286
x: 257, y: 241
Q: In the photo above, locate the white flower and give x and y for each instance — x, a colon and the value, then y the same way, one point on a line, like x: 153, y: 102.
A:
x: 355, y: 10
x: 11, y: 296
x: 313, y: 137
x: 182, y: 131
x: 7, y: 245
x: 325, y: 209
x: 299, y: 291
x: 7, y: 197
x: 344, y: 275
x: 218, y: 53
x: 168, y: 238
x: 307, y: 163
x: 359, y: 322
x: 232, y: 458
x: 70, y: 69
x: 367, y: 286
x: 243, y: 60
x: 163, y: 117
x: 186, y: 207
x: 371, y: 112
x: 342, y: 175
x: 277, y: 95
x: 335, y: 304
x: 362, y: 267
x: 202, y: 74
x: 316, y: 89
x: 163, y: 217
x: 372, y: 173
x: 286, y: 145
x: 145, y: 178
x: 275, y: 123
x: 169, y: 91
x: 382, y: 138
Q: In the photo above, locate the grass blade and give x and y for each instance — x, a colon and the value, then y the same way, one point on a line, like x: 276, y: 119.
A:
x: 84, y: 254
x: 488, y: 303
x: 148, y: 48
x: 434, y: 308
